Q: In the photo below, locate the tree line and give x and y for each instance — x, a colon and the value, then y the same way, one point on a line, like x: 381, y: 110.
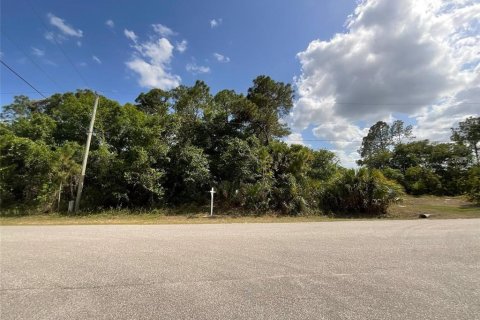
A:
x: 170, y: 147
x: 425, y: 167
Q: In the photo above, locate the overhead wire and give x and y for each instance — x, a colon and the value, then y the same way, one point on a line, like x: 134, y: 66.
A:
x: 32, y: 61
x: 57, y: 44
x: 346, y: 141
x: 22, y: 78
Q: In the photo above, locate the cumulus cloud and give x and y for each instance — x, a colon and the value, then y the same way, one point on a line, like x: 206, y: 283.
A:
x: 162, y: 30
x: 221, y: 58
x: 38, y: 52
x: 63, y: 27
x: 417, y: 58
x: 96, y: 59
x: 151, y: 61
x: 181, y: 46
x: 434, y: 122
x: 196, y: 69
x: 109, y: 23
x: 215, y: 22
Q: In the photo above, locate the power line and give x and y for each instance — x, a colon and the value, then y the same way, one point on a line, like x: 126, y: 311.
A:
x: 58, y: 45
x: 322, y: 140
x: 122, y: 92
x: 111, y: 92
x: 24, y: 92
x: 32, y: 61
x: 391, y: 104
x: 15, y: 73
x: 346, y: 141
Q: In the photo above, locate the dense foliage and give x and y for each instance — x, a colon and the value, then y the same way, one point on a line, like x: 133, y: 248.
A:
x: 425, y: 167
x: 170, y: 147
x: 167, y: 149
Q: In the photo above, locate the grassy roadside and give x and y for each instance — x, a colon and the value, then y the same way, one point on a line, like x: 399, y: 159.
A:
x: 409, y: 208
x: 146, y: 218
x: 438, y: 207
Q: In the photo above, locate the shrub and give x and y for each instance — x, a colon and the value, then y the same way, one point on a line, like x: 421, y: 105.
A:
x: 420, y: 180
x: 473, y: 184
x: 255, y: 196
x: 365, y: 191
x: 393, y: 174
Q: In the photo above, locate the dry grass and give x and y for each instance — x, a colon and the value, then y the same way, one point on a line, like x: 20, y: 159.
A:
x: 102, y: 218
x: 409, y: 208
x: 438, y: 207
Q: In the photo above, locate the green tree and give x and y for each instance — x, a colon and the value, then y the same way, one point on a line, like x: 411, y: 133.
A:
x: 473, y: 184
x: 22, y: 107
x: 188, y: 176
x: 468, y: 133
x: 66, y: 165
x: 273, y: 101
x: 37, y: 126
x: 416, y: 153
x: 399, y: 132
x: 376, y: 148
x: 432, y: 168
x: 155, y: 101
x: 27, y: 174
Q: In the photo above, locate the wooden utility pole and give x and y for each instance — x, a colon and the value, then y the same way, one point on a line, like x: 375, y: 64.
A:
x: 85, y: 155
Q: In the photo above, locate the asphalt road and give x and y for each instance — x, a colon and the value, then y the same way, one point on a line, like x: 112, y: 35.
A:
x: 423, y: 269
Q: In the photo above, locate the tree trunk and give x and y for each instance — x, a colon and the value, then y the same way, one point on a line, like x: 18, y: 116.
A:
x: 59, y: 196
x: 476, y: 152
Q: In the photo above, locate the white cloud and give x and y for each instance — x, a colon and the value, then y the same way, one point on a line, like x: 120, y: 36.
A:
x: 162, y: 30
x: 196, y: 69
x: 130, y: 35
x: 347, y: 158
x: 151, y: 61
x: 153, y: 76
x: 434, y: 122
x: 61, y: 25
x: 181, y: 46
x: 215, y: 22
x: 221, y: 57
x: 79, y: 43
x: 38, y: 52
x: 96, y: 59
x: 295, y: 138
x: 109, y: 23
x: 417, y: 58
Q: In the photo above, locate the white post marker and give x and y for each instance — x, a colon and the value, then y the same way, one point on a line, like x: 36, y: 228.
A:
x: 211, y: 201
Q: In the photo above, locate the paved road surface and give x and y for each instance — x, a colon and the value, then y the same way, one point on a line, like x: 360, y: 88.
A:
x: 335, y: 270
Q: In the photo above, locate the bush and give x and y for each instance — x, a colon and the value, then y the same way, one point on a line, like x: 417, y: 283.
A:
x: 256, y: 197
x: 420, y: 180
x: 393, y: 174
x: 365, y: 191
x: 473, y: 184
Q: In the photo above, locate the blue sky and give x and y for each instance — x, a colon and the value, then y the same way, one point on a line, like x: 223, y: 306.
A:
x: 352, y: 63
x: 257, y: 37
